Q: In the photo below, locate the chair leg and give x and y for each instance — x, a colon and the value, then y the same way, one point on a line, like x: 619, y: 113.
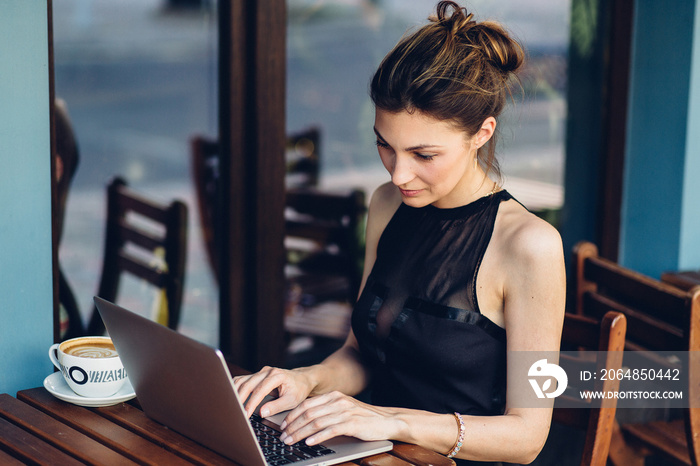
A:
x: 621, y: 454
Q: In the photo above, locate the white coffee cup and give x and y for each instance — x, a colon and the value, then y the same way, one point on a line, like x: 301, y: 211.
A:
x: 90, y: 366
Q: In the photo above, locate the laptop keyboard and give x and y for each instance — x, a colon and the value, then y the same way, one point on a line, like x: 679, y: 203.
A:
x: 277, y: 452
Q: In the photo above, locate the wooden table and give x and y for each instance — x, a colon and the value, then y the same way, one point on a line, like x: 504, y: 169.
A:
x: 37, y: 428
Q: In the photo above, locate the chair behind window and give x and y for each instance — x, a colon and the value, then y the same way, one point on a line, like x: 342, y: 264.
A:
x: 140, y: 236
x: 206, y: 175
x: 302, y: 160
x: 331, y: 220
x: 322, y: 239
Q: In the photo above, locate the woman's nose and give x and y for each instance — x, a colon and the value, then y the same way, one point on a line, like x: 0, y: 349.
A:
x: 401, y: 172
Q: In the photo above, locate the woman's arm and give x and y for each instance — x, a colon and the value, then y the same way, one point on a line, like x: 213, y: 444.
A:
x: 531, y: 257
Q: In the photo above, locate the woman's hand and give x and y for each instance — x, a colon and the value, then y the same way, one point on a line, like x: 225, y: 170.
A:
x: 290, y: 386
x: 322, y: 417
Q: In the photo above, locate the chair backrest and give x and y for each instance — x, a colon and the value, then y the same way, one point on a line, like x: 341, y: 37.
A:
x: 660, y: 317
x: 302, y: 171
x: 331, y: 222
x: 140, y: 235
x: 302, y: 158
x: 67, y: 159
x: 206, y: 175
x: 606, y: 336
x: 685, y: 280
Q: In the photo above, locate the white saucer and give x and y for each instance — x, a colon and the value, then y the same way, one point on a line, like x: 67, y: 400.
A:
x: 57, y: 386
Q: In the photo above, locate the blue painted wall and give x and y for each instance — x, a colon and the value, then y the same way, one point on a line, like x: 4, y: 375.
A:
x: 26, y: 316
x: 659, y: 217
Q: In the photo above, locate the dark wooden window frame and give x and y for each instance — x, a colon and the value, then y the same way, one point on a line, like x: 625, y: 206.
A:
x: 597, y: 123
x: 615, y: 126
x: 252, y: 73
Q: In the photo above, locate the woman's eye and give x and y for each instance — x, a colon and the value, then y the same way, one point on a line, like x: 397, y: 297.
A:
x: 382, y: 144
x: 425, y: 156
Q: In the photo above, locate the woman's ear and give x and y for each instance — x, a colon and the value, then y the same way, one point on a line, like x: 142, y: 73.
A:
x: 488, y: 127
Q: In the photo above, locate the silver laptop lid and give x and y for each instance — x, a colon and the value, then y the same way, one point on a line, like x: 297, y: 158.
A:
x: 182, y: 383
x: 186, y: 385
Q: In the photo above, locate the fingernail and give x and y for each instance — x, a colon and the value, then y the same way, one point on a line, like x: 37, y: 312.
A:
x: 265, y: 412
x: 285, y: 438
x: 310, y: 441
x: 283, y: 425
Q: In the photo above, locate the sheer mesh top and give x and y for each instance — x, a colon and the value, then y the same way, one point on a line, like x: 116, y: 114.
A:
x: 417, y: 320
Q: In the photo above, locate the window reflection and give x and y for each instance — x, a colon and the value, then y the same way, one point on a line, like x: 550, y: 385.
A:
x: 334, y: 46
x: 139, y: 78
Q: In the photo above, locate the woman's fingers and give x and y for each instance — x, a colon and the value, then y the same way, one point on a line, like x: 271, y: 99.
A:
x: 323, y: 417
x: 284, y: 402
x: 252, y: 389
x: 315, y: 419
x: 287, y: 385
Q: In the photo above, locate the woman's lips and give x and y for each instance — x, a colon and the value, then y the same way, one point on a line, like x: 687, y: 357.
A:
x: 410, y: 192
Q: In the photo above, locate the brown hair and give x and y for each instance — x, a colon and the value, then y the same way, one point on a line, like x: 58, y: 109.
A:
x: 453, y: 69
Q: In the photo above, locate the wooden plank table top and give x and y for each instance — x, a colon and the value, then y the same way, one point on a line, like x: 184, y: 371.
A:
x: 37, y: 428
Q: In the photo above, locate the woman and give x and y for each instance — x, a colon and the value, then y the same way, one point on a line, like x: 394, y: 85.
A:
x: 457, y: 272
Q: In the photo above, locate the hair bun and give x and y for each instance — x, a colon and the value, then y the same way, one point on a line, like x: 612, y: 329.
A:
x: 459, y: 21
x: 490, y: 37
x: 498, y: 47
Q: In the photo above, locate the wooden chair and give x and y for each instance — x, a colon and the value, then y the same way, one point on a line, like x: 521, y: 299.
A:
x: 607, y: 336
x: 322, y: 235
x: 323, y: 256
x: 685, y: 279
x: 147, y: 240
x: 205, y: 174
x: 302, y: 158
x: 660, y: 317
x: 66, y: 161
x: 302, y: 166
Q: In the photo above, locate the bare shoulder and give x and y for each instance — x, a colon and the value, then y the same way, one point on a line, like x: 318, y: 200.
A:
x: 386, y: 196
x: 525, y: 238
x: 383, y: 204
x: 530, y: 261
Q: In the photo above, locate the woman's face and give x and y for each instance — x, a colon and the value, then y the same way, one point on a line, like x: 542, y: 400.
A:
x: 430, y: 161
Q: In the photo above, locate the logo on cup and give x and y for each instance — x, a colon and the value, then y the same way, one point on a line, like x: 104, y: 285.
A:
x: 80, y: 376
x: 541, y: 369
x: 83, y: 375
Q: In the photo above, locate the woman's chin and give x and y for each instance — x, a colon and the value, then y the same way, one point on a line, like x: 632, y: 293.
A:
x: 416, y: 201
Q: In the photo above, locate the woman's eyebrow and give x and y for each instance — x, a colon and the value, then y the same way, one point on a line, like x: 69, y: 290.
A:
x: 378, y: 134
x: 407, y: 149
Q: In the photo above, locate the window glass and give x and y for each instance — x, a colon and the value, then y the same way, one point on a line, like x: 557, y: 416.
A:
x: 139, y: 79
x: 334, y: 46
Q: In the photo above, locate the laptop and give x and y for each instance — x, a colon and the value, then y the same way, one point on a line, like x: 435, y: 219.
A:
x: 186, y: 385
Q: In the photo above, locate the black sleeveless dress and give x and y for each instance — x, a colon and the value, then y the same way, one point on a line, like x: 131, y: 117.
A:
x: 417, y: 321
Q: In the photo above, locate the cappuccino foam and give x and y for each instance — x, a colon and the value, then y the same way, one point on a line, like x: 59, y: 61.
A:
x: 91, y: 349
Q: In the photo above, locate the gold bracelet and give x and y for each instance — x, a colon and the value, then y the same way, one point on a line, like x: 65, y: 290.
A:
x: 460, y: 437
